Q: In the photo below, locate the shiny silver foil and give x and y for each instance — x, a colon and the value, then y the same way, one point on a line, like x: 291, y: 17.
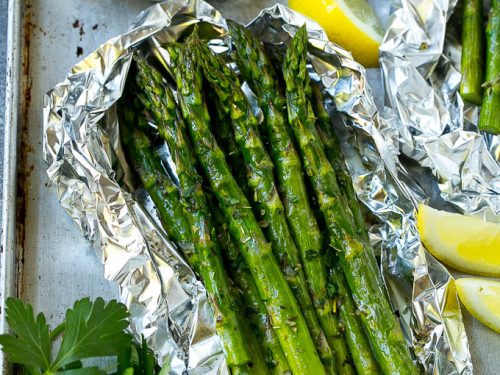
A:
x: 167, y: 303
x: 420, y: 60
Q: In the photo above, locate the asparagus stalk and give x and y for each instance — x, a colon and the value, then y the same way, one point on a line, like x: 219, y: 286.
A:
x: 259, y: 363
x: 255, y: 307
x: 361, y: 351
x: 192, y: 209
x: 360, y: 348
x: 331, y: 146
x: 224, y: 136
x: 159, y: 186
x: 333, y: 152
x: 472, y: 52
x: 490, y: 110
x: 258, y: 71
x: 380, y: 324
x: 269, y: 208
x: 286, y: 318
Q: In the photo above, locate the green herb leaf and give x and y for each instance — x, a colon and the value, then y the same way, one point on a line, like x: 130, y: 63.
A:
x: 93, y: 330
x: 30, y: 344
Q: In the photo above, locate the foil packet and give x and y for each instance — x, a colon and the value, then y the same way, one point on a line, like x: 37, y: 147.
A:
x: 168, y: 305
x: 426, y: 116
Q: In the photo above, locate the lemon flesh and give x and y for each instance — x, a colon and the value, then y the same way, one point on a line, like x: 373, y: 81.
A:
x: 467, y: 244
x: 352, y: 24
x: 481, y: 297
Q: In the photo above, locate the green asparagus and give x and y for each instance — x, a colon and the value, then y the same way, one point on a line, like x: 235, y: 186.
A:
x: 361, y: 351
x: 380, y: 323
x: 269, y: 208
x: 257, y: 70
x: 490, y: 111
x: 289, y: 324
x: 159, y: 186
x: 360, y: 348
x: 259, y: 365
x: 256, y: 310
x: 331, y: 146
x: 472, y: 52
x: 158, y: 99
x: 224, y: 136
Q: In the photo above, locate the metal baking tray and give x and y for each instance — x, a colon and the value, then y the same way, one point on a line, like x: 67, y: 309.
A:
x: 43, y: 257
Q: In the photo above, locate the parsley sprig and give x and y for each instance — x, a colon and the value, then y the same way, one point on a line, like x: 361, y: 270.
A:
x: 90, y: 330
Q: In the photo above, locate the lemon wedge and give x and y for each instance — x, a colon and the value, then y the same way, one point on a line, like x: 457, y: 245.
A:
x: 481, y: 297
x: 467, y: 244
x: 352, y: 24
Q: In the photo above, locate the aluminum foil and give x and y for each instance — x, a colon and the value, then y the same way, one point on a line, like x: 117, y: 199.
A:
x: 167, y: 304
x: 420, y: 59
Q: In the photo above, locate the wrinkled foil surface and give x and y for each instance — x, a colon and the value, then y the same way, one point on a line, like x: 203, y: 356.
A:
x: 168, y: 305
x: 420, y: 60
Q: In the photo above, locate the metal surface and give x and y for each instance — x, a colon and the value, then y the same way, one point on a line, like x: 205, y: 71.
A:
x: 7, y: 250
x: 57, y: 264
x: 3, y: 64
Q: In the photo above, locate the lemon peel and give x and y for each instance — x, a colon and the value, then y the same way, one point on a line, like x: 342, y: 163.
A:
x: 352, y: 24
x: 465, y: 243
x: 481, y: 297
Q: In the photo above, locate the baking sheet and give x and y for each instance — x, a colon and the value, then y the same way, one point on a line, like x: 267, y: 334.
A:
x: 55, y: 264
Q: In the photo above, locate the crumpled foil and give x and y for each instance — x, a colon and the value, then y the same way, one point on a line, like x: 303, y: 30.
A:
x: 420, y: 59
x: 168, y: 305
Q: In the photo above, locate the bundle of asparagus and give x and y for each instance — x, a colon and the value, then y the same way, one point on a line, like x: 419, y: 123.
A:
x: 236, y: 198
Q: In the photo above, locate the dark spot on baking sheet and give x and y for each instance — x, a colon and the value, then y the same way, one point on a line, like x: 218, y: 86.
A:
x: 76, y: 24
x: 82, y: 32
x: 79, y: 51
x: 95, y: 27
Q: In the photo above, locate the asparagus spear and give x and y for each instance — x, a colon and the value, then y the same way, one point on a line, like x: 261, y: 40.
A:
x: 490, y: 110
x: 361, y: 351
x: 159, y: 186
x: 224, y: 136
x: 472, y: 52
x: 360, y: 348
x: 380, y: 324
x: 269, y: 208
x: 160, y: 102
x: 331, y: 146
x: 286, y: 318
x: 259, y: 365
x: 257, y: 70
x: 256, y: 310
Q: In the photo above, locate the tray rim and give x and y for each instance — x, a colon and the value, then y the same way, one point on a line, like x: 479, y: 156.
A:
x: 8, y: 272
